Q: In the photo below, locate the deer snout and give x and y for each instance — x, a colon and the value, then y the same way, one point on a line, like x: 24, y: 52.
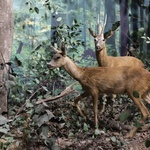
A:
x: 49, y: 65
x: 98, y: 48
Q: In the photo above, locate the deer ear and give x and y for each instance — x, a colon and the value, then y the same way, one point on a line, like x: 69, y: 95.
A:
x: 63, y: 49
x: 92, y: 33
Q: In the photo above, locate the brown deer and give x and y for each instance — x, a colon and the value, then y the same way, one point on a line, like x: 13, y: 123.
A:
x: 109, y: 61
x: 108, y: 80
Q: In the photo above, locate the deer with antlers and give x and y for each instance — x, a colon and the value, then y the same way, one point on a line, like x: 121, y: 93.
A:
x: 108, y: 80
x: 109, y: 61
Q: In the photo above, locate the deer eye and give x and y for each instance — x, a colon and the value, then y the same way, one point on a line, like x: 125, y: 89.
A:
x: 58, y: 57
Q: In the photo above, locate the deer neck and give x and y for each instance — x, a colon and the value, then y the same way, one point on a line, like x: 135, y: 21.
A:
x: 72, y: 69
x: 102, y: 56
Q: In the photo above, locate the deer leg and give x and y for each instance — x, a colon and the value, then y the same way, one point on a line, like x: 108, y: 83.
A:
x: 145, y: 114
x: 113, y: 99
x: 95, y: 107
x: 76, y: 100
x: 104, y: 104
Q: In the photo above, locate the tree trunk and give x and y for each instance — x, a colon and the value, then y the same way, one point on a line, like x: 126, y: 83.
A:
x: 124, y: 39
x: 110, y: 11
x: 84, y: 26
x: 134, y: 19
x: 6, y: 42
x: 148, y: 32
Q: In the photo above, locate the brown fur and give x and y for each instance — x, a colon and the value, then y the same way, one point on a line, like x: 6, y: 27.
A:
x: 108, y: 80
x: 109, y: 61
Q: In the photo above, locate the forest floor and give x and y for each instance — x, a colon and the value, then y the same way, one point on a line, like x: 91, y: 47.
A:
x: 69, y: 131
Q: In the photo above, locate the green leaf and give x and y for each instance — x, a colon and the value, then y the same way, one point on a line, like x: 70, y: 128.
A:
x: 137, y: 124
x: 113, y: 139
x: 36, y: 10
x: 98, y: 132
x: 70, y: 134
x: 136, y: 94
x: 10, y: 84
x: 85, y: 127
x: 31, y: 10
x: 38, y: 47
x: 75, y: 21
x: 42, y: 120
x: 3, y: 130
x: 29, y: 105
x: 115, y: 25
x: 17, y: 61
x: 124, y: 115
x: 3, y: 120
x: 50, y: 114
x: 59, y: 19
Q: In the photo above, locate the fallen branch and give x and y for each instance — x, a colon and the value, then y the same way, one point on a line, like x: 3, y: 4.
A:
x: 21, y: 108
x: 67, y: 91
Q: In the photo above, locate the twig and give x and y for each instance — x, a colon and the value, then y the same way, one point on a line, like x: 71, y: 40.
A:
x: 21, y: 108
x: 67, y: 91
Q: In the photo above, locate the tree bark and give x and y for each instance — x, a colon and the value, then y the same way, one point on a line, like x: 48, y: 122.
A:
x: 148, y: 32
x: 111, y: 17
x: 124, y: 39
x: 6, y: 42
x: 134, y: 18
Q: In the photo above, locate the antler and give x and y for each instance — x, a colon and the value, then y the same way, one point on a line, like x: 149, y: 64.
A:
x: 99, y: 28
x: 56, y: 50
x: 105, y: 20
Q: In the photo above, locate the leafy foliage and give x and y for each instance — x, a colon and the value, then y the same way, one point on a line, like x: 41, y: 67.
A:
x: 38, y: 24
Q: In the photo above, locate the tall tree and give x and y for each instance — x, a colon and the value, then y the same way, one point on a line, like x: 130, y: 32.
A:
x: 111, y: 15
x: 134, y: 19
x: 142, y: 22
x: 148, y: 30
x: 124, y: 38
x: 6, y: 41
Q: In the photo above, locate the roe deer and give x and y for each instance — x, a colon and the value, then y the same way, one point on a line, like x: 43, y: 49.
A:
x: 108, y: 80
x: 109, y: 61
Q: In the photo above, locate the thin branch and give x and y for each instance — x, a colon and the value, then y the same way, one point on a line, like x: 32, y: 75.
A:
x: 67, y: 91
x: 21, y: 108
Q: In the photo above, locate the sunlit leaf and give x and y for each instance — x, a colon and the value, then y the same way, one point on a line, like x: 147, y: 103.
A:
x: 85, y: 127
x: 59, y: 19
x: 70, y: 134
x: 3, y: 120
x: 147, y: 42
x: 113, y: 139
x: 29, y: 104
x: 3, y: 130
x: 98, y: 132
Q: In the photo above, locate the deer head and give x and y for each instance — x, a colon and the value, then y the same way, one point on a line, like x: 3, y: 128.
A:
x: 59, y: 58
x: 99, y: 38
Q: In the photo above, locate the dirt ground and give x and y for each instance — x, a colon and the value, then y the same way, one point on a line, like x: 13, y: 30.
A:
x: 69, y: 131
